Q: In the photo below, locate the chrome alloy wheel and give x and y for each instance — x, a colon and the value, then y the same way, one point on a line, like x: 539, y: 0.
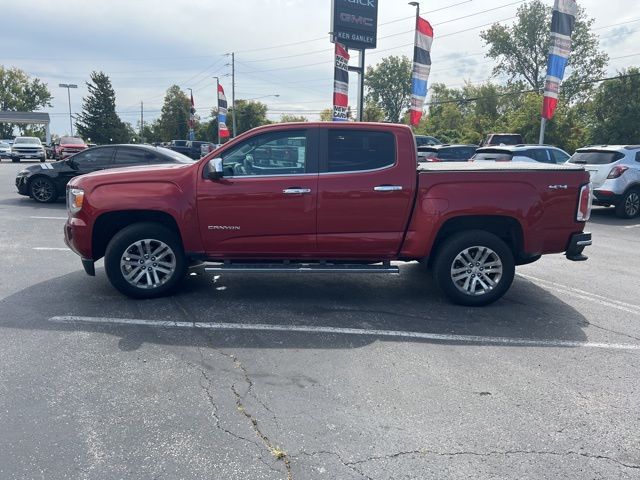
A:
x: 476, y: 270
x: 632, y: 204
x: 148, y: 263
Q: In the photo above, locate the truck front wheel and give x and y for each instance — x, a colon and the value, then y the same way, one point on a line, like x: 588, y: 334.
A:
x: 474, y: 268
x: 145, y: 260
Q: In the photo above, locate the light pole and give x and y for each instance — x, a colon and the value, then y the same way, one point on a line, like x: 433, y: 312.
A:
x: 417, y: 5
x: 68, y: 86
x: 263, y: 96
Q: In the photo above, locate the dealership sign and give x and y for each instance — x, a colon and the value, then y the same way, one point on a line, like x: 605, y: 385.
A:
x: 355, y: 23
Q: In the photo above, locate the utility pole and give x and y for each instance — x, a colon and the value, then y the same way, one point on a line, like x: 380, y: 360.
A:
x: 218, y: 105
x: 233, y: 91
x: 141, y: 122
x: 68, y: 86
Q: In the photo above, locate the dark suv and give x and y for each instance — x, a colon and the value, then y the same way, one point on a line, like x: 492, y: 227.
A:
x: 45, y: 183
x: 446, y: 153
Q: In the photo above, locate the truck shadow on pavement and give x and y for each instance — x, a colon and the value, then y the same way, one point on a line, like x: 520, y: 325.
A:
x: 406, y: 303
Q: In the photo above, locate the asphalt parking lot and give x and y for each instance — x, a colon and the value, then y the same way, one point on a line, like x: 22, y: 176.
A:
x: 321, y: 377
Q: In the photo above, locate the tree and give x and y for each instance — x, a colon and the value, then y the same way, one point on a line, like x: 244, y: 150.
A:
x: 389, y: 86
x: 99, y: 120
x: 326, y: 115
x: 521, y: 50
x: 372, y: 113
x: 208, y: 131
x: 293, y: 118
x: 19, y: 93
x: 249, y: 114
x: 172, y: 124
x: 616, y: 108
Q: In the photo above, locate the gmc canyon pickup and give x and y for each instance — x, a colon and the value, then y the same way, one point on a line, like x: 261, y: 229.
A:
x: 327, y: 197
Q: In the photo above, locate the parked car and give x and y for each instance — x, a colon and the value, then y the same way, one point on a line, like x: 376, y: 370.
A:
x: 446, y: 153
x: 8, y: 141
x: 521, y: 153
x: 27, y: 148
x: 423, y: 140
x: 45, y: 183
x: 502, y: 139
x: 5, y: 150
x: 207, y: 148
x: 327, y: 197
x: 180, y: 146
x: 615, y: 175
x: 66, y: 146
x: 195, y: 148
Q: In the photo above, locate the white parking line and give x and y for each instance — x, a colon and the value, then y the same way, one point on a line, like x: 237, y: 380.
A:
x: 49, y: 218
x: 57, y: 249
x: 346, y: 331
x: 633, y: 226
x: 584, y: 295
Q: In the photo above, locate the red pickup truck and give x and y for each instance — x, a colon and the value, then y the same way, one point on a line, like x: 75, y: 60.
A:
x: 327, y: 197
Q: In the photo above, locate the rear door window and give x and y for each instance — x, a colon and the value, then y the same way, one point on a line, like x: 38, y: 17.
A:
x: 132, y: 156
x: 595, y: 157
x: 358, y: 150
x: 559, y: 156
x: 538, y: 154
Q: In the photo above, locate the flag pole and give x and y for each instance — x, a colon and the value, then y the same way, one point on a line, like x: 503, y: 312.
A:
x: 218, y: 106
x: 543, y: 127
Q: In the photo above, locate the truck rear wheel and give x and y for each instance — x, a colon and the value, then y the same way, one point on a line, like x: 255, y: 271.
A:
x: 474, y: 268
x: 145, y: 260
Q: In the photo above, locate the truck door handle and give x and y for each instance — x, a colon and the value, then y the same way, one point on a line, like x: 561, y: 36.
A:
x: 296, y: 191
x: 387, y: 188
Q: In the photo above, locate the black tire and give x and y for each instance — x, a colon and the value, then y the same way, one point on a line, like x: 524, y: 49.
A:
x: 123, y: 255
x: 15, y: 160
x: 629, y: 205
x: 473, y: 245
x: 43, y: 190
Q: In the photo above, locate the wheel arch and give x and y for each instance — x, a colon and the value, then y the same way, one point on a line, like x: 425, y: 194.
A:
x: 506, y: 228
x: 109, y: 224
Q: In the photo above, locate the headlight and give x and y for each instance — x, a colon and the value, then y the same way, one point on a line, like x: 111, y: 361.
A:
x: 75, y: 199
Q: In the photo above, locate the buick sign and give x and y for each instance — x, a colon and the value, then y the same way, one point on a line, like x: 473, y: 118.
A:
x: 354, y: 23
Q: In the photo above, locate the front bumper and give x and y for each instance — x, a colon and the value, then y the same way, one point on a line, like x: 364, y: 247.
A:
x: 21, y: 185
x: 27, y: 155
x: 77, y: 236
x: 577, y: 244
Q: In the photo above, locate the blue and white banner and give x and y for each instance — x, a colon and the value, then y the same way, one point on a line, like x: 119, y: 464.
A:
x: 421, y: 68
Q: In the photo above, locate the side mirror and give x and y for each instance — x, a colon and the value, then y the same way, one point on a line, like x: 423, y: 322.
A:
x: 215, y: 169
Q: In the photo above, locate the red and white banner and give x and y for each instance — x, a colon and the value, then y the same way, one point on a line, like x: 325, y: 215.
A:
x: 341, y: 84
x: 223, y: 131
x: 421, y: 68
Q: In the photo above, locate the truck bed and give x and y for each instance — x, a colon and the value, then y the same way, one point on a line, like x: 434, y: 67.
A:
x: 494, y: 167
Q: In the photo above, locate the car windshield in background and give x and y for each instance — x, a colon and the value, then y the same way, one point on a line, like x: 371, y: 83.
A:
x: 494, y: 156
x: 71, y: 141
x: 595, y: 157
x: 175, y: 155
x: 506, y: 139
x: 30, y: 141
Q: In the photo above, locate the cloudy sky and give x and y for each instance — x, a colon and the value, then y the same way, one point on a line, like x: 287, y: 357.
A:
x: 281, y: 47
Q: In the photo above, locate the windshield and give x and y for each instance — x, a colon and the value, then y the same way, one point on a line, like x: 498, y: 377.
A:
x: 595, y: 157
x: 71, y: 141
x: 175, y: 155
x: 426, y: 140
x: 28, y: 140
x: 506, y: 140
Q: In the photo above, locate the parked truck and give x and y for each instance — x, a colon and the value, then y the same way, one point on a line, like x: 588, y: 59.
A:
x: 324, y: 197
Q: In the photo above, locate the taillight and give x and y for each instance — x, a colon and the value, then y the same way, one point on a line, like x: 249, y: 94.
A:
x: 617, y: 171
x: 584, y: 204
x: 433, y: 159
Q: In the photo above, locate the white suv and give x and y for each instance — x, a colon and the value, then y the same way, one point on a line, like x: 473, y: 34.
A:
x: 521, y: 153
x: 615, y: 176
x: 27, y: 147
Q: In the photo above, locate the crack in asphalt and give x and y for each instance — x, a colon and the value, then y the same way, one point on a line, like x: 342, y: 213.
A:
x: 276, y: 451
x: 478, y: 454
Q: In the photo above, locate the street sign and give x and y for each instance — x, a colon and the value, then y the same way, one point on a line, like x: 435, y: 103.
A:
x: 354, y: 23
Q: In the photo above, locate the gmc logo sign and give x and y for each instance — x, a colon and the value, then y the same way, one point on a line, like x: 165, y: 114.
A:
x: 349, y: 18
